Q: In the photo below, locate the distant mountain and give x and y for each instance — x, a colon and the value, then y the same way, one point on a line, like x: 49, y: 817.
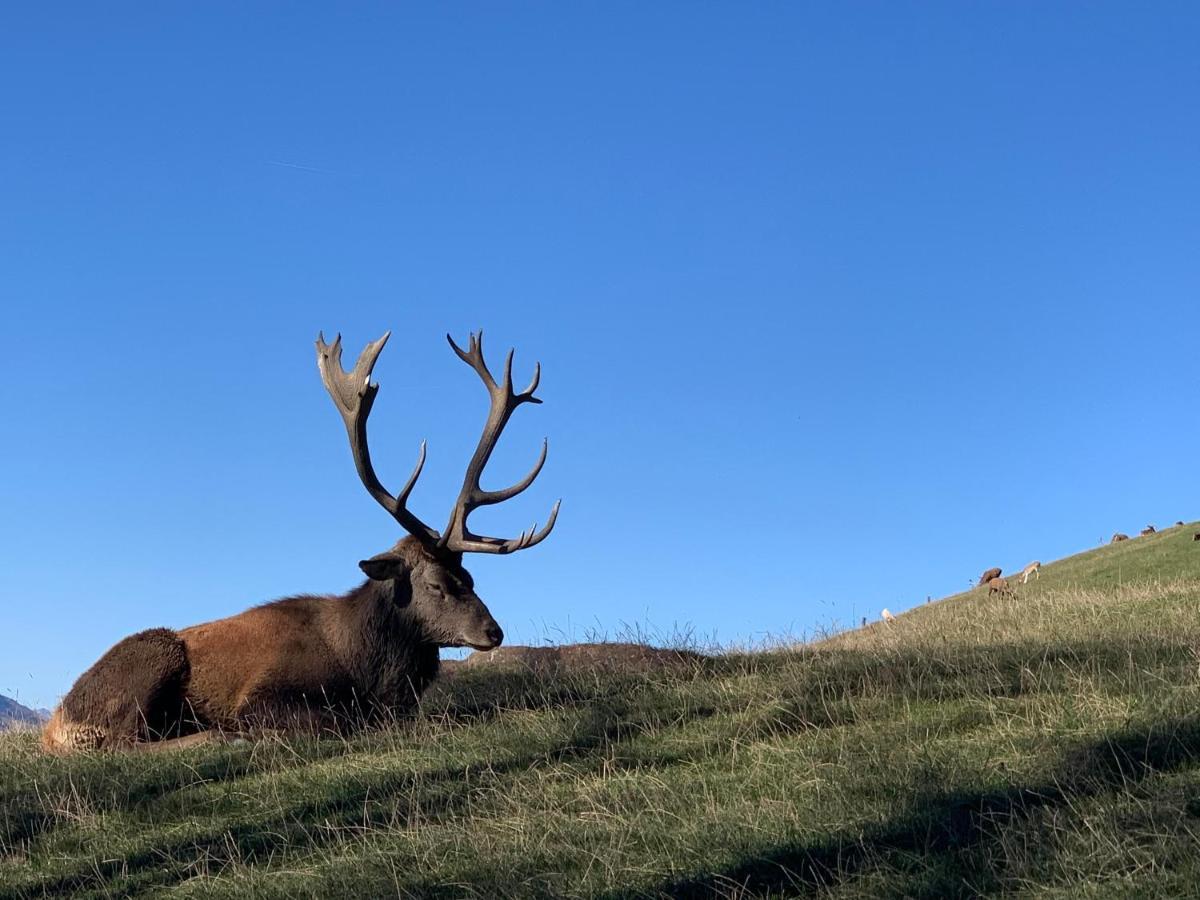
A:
x: 14, y: 715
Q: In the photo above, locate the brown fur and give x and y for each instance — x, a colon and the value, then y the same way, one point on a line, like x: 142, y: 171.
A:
x: 134, y: 692
x: 998, y: 585
x: 1149, y: 529
x: 989, y: 575
x: 300, y: 664
x: 1118, y: 537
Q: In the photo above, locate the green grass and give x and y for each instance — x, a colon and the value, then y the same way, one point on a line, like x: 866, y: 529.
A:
x: 1046, y: 744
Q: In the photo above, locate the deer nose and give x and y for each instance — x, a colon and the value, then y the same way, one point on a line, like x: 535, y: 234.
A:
x: 494, y: 635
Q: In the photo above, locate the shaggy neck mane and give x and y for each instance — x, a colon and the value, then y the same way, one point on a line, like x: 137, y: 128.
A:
x: 383, y: 644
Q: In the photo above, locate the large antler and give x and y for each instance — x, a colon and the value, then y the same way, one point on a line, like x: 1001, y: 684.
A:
x: 457, y: 537
x: 353, y: 395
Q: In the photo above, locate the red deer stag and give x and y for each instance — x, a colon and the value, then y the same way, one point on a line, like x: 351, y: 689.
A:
x: 309, y: 664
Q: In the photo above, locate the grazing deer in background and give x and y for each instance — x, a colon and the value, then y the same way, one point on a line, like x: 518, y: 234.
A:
x: 1149, y: 529
x: 989, y: 575
x: 310, y: 664
x: 1118, y: 537
x: 887, y: 616
x: 1034, y: 568
x: 999, y: 585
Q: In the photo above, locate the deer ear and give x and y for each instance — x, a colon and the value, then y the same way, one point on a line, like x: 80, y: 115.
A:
x: 383, y: 567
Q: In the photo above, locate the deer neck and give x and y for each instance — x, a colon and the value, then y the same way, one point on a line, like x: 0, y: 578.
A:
x: 386, y: 649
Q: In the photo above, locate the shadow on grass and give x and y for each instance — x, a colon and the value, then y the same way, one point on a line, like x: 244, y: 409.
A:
x: 134, y: 782
x: 130, y: 784
x: 357, y: 806
x: 952, y: 835
x: 24, y: 814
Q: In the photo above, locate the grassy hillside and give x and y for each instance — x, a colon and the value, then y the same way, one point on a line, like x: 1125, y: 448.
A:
x: 1045, y: 744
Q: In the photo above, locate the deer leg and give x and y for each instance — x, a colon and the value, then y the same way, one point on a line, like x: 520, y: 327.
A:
x: 217, y: 736
x: 271, y: 714
x: 183, y: 743
x: 133, y: 693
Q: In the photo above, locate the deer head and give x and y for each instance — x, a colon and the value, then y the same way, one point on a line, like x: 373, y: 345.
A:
x: 426, y: 568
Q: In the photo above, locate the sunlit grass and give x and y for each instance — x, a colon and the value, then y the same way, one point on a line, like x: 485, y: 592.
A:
x: 1044, y: 743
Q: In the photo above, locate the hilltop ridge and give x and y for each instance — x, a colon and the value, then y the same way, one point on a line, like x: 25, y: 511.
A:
x: 1171, y: 553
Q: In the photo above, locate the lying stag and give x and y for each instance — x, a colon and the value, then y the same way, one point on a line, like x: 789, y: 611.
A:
x: 308, y: 664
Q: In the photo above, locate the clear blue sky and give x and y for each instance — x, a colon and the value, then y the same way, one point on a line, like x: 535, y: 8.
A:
x: 837, y: 304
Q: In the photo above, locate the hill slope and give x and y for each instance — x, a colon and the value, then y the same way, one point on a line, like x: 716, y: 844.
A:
x: 1048, y: 743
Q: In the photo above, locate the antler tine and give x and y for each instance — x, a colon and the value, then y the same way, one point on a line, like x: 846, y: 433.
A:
x: 473, y: 357
x: 526, y: 396
x: 504, y: 401
x: 487, y: 498
x: 508, y: 367
x: 527, y: 539
x: 533, y: 384
x: 538, y: 537
x: 353, y: 394
x: 402, y: 497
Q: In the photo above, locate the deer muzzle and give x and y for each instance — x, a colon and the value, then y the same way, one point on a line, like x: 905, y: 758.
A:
x: 489, y: 637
